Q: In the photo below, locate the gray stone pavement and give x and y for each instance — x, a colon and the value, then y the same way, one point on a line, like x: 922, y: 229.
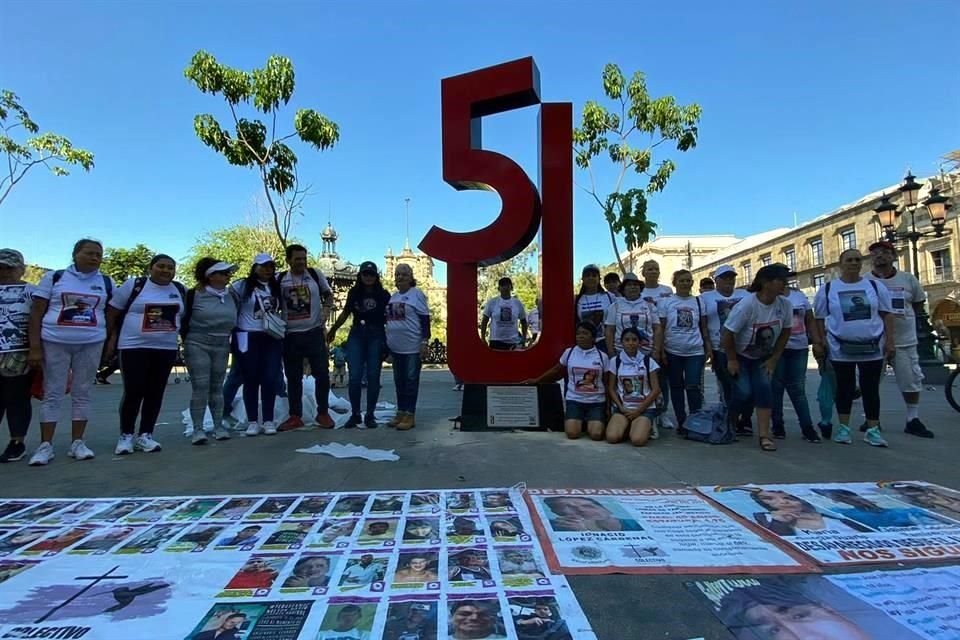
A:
x: 434, y: 455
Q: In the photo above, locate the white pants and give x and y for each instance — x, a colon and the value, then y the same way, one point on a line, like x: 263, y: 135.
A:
x: 58, y: 360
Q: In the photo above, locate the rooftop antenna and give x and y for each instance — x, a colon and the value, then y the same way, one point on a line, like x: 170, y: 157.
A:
x: 406, y: 243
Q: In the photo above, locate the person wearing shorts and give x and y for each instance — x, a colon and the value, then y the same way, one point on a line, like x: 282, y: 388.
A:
x: 634, y: 388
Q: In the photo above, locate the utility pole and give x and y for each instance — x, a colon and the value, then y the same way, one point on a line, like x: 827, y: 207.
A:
x: 406, y: 244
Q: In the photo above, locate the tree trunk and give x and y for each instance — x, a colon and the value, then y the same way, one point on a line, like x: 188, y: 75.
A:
x: 616, y: 250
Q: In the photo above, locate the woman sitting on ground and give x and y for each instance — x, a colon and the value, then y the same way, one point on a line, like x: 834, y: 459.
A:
x: 633, y: 390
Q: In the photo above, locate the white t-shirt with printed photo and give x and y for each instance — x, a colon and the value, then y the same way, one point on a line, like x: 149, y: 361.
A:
x: 15, y: 305
x: 633, y: 377
x: 852, y: 315
x: 716, y: 308
x: 592, y: 307
x: 504, y: 315
x: 653, y: 295
x: 585, y: 371
x: 638, y: 314
x: 905, y: 291
x: 757, y: 326
x: 798, y: 328
x: 404, y: 334
x: 680, y: 320
x: 302, y: 301
x: 154, y: 317
x: 250, y: 318
x: 77, y: 306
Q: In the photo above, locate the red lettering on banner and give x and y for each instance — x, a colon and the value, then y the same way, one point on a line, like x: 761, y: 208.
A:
x: 466, y: 99
x: 867, y: 554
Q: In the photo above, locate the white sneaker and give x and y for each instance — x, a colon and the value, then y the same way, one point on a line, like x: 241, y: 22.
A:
x: 654, y: 431
x: 42, y: 455
x: 199, y: 437
x: 124, y: 445
x: 146, y: 443
x: 269, y: 429
x: 80, y: 451
x: 221, y: 434
x: 253, y: 429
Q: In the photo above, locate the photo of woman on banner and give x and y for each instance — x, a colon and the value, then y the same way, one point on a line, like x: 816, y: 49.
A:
x: 938, y: 499
x: 571, y: 513
x: 506, y: 528
x: 786, y: 514
x: 871, y: 514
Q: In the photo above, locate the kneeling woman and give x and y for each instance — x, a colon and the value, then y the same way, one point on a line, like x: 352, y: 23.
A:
x: 633, y: 389
x: 583, y: 366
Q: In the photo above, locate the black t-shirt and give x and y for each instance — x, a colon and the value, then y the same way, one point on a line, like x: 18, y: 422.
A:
x: 368, y: 306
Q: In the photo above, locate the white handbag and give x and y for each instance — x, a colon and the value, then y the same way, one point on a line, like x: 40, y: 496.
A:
x: 273, y: 324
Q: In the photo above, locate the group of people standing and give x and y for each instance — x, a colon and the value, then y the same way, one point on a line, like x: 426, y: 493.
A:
x: 270, y: 323
x: 641, y: 345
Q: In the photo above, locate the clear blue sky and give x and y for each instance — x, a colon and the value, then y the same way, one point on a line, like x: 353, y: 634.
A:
x: 806, y: 107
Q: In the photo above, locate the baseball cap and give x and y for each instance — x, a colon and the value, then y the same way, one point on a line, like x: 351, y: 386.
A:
x: 263, y: 258
x: 883, y: 244
x: 774, y: 271
x: 11, y: 258
x: 630, y: 275
x: 221, y: 267
x: 590, y: 268
x: 368, y: 267
x: 723, y: 270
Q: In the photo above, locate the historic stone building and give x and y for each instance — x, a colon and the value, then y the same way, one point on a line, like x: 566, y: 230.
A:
x: 674, y: 252
x: 422, y: 266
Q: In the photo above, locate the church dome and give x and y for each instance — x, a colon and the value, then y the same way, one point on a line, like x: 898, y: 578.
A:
x: 329, y: 233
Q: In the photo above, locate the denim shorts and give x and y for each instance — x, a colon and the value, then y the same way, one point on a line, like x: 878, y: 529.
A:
x: 589, y: 411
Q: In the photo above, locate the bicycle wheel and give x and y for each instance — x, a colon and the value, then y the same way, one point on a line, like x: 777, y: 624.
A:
x: 952, y: 389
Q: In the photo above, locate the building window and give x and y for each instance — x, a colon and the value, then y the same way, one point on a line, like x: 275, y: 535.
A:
x: 748, y: 272
x: 790, y: 258
x: 818, y: 281
x: 848, y: 239
x: 816, y: 252
x: 942, y: 267
x: 793, y: 284
x: 765, y: 260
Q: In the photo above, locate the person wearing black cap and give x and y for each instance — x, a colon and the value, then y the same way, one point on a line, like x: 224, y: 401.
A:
x: 591, y: 303
x: 367, y: 302
x: 754, y: 337
x: 907, y: 297
x: 16, y: 376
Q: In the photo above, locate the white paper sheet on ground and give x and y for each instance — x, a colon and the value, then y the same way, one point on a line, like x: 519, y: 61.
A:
x: 339, y: 409
x: 350, y: 450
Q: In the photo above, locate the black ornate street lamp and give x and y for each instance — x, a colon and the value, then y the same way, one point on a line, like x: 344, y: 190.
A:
x: 888, y: 215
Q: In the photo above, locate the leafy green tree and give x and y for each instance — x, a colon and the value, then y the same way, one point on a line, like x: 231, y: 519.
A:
x: 238, y: 245
x: 48, y: 149
x: 255, y: 144
x: 521, y: 269
x: 33, y: 273
x: 120, y: 263
x: 656, y: 121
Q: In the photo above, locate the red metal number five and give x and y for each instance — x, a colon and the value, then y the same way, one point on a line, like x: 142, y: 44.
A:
x: 466, y: 99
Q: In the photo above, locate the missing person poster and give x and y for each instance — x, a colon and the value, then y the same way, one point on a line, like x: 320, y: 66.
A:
x: 425, y: 565
x: 879, y: 605
x: 852, y: 523
x: 595, y: 531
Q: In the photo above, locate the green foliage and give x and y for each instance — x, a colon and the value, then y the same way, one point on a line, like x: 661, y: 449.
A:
x: 522, y: 269
x: 238, y: 245
x: 48, y: 149
x: 33, y: 273
x: 253, y: 144
x: 121, y: 264
x: 601, y: 131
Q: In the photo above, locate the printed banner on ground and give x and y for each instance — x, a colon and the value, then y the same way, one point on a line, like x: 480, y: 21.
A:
x: 853, y: 523
x: 879, y: 605
x: 594, y: 531
x: 424, y: 565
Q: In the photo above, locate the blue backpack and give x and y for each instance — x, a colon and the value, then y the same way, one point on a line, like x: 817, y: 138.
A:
x: 710, y: 425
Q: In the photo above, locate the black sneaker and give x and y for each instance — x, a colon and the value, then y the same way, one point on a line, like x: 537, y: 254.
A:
x: 810, y: 434
x: 917, y: 428
x: 864, y: 427
x: 15, y: 451
x: 370, y: 422
x: 779, y: 432
x: 353, y: 421
x: 826, y: 430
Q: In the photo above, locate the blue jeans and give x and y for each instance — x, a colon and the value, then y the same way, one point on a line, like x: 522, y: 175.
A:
x: 364, y: 359
x: 752, y: 386
x: 260, y: 368
x: 685, y: 374
x: 791, y: 375
x: 827, y: 392
x: 406, y: 377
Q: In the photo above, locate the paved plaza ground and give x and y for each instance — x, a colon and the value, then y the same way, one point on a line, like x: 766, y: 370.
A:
x: 434, y: 455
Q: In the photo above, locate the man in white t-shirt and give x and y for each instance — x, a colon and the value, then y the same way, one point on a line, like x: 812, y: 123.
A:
x: 907, y: 298
x: 505, y: 311
x: 305, y: 296
x: 716, y: 307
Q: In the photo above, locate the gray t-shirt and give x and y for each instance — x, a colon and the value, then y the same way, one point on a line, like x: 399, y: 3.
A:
x: 213, y: 315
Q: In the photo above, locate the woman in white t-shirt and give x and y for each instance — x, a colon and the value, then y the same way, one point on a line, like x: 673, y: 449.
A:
x: 408, y: 337
x: 855, y: 315
x: 583, y: 366
x: 634, y: 387
x: 754, y: 337
x: 67, y: 332
x: 631, y: 310
x: 591, y: 303
x: 683, y: 337
x: 144, y: 321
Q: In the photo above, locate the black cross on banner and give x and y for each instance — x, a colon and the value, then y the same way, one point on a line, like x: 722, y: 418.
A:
x: 95, y: 580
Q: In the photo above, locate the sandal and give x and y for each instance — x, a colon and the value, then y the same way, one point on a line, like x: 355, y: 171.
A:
x: 767, y: 444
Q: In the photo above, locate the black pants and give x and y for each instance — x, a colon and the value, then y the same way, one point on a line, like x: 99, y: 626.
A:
x: 499, y: 345
x: 870, y: 373
x: 15, y: 403
x: 311, y: 345
x: 145, y: 373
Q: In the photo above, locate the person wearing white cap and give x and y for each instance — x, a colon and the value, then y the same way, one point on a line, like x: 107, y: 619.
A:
x: 208, y: 321
x: 258, y: 351
x: 717, y: 305
x: 15, y: 373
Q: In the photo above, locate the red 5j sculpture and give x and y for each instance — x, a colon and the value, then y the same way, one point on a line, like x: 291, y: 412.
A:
x: 466, y: 99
